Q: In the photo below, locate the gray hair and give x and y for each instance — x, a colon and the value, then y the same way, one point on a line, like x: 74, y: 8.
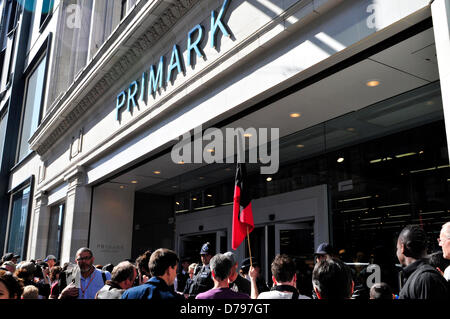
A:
x: 192, y: 266
x: 221, y: 266
x: 232, y: 257
x: 446, y: 229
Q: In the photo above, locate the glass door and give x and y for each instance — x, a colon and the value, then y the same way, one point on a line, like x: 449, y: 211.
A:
x: 297, y: 241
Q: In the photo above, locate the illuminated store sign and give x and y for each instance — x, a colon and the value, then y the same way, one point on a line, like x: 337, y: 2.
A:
x: 155, y: 78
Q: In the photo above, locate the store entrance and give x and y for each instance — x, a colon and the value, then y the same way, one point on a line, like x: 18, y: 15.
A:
x: 190, y: 245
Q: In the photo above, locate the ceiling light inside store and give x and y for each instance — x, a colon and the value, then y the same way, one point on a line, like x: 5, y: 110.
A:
x: 295, y: 115
x: 269, y: 179
x: 300, y: 146
x: 340, y: 160
x: 156, y: 172
x: 178, y: 203
x: 211, y: 150
x: 195, y: 198
x: 248, y: 135
x: 351, y: 129
x: 209, y: 195
x: 405, y: 155
x: 122, y: 187
x: 380, y: 160
x: 373, y: 83
x: 181, y: 162
x: 134, y: 182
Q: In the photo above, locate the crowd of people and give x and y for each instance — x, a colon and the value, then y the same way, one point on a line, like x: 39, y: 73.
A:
x: 155, y: 275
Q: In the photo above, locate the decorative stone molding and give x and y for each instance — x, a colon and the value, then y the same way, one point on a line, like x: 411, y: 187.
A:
x: 41, y: 198
x: 65, y: 113
x: 75, y: 177
x: 42, y: 172
x: 76, y: 145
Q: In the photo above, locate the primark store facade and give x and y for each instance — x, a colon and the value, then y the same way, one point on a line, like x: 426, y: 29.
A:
x: 358, y: 90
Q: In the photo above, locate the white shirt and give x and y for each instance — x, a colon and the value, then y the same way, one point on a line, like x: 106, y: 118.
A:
x: 273, y: 294
x: 447, y: 273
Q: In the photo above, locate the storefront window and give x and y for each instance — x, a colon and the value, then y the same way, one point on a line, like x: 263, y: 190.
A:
x: 55, y: 230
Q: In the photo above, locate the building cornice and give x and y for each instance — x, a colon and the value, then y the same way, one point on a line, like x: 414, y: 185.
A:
x: 142, y: 28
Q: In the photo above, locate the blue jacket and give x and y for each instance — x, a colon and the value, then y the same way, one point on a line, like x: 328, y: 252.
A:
x: 154, y: 288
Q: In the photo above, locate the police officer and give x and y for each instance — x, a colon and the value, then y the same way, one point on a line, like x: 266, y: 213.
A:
x: 202, y: 280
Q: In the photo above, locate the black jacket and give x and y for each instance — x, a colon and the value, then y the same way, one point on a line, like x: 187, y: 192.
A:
x: 240, y: 284
x: 202, y: 280
x: 422, y: 281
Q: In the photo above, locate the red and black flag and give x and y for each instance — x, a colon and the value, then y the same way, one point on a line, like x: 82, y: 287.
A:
x: 242, y: 208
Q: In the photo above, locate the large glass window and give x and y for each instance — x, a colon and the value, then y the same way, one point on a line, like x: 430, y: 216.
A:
x: 32, y: 108
x: 18, y: 222
x: 3, y: 120
x: 47, y: 8
x: 55, y: 230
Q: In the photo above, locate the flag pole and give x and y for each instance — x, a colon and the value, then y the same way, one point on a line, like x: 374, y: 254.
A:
x: 249, y: 249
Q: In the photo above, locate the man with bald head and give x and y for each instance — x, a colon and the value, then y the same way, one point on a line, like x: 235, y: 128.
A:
x: 444, y: 242
x: 90, y: 280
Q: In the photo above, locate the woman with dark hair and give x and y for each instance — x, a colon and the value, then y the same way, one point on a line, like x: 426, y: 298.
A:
x: 54, y: 282
x: 142, y: 266
x: 11, y: 287
x: 26, y: 272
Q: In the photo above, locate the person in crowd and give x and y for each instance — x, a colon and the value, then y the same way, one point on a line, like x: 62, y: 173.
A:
x: 202, y: 275
x: 381, y: 290
x: 27, y: 271
x: 54, y: 282
x: 42, y: 270
x: 182, y: 276
x: 438, y: 261
x: 91, y: 278
x: 387, y: 263
x: 11, y: 287
x: 109, y: 268
x: 190, y: 280
x: 163, y: 269
x: 419, y: 279
x: 8, y: 266
x: 361, y: 290
x: 51, y: 261
x: 323, y: 251
x: 221, y: 266
x: 122, y: 278
x: 444, y: 242
x: 30, y: 292
x: 260, y: 282
x: 142, y: 266
x: 332, y: 279
x: 237, y: 282
x: 10, y: 257
x: 284, y: 278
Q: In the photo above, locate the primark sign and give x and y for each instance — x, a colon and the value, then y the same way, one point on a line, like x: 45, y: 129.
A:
x: 157, y: 77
